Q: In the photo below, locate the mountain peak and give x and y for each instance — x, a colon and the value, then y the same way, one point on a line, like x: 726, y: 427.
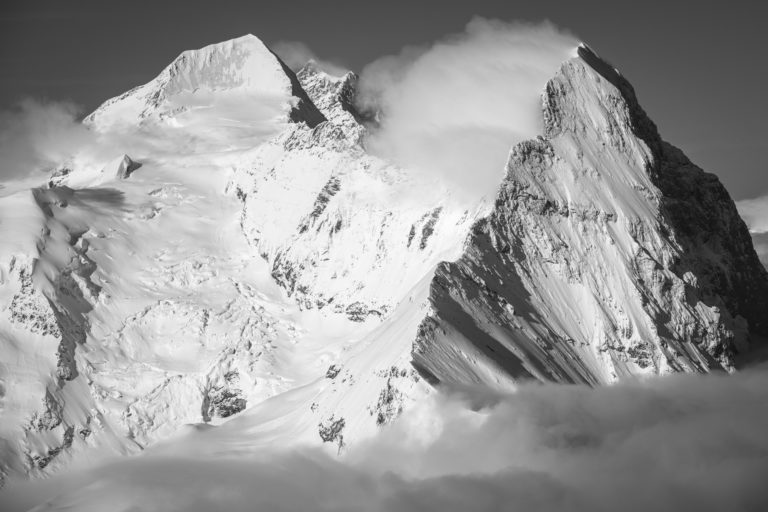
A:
x: 334, y: 95
x: 241, y: 62
x: 241, y: 71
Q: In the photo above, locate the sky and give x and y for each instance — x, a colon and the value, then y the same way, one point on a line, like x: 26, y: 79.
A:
x: 697, y: 67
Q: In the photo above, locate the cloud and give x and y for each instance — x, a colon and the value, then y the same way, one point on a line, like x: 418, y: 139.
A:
x: 296, y: 54
x: 672, y: 443
x: 35, y: 136
x: 755, y: 213
x: 455, y: 109
x: 760, y: 241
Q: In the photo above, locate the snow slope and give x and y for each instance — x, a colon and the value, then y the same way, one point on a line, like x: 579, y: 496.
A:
x: 599, y: 260
x: 153, y: 294
x: 261, y: 272
x: 234, y: 93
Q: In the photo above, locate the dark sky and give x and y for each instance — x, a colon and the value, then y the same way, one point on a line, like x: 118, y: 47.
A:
x: 698, y: 67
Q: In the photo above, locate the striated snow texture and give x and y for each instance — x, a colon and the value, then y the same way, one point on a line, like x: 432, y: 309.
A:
x: 231, y: 90
x: 607, y: 254
x: 250, y: 267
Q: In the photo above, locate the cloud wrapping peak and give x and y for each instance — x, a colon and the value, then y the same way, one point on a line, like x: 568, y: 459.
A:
x: 685, y: 442
x: 456, y: 109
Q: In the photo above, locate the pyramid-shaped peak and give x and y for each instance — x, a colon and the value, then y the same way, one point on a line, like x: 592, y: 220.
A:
x: 241, y: 62
x: 244, y: 43
x: 240, y: 71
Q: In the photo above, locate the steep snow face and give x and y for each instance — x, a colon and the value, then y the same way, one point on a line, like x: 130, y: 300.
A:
x: 607, y: 254
x: 291, y: 274
x: 347, y: 231
x: 138, y: 306
x: 228, y: 94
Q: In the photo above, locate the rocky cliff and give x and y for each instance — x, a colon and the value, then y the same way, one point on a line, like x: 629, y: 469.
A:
x: 607, y: 254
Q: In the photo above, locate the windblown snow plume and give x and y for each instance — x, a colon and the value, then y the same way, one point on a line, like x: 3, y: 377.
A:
x: 684, y: 442
x: 456, y: 109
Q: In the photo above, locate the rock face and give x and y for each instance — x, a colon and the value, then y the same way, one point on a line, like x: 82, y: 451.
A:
x: 262, y: 265
x: 123, y: 167
x: 334, y: 97
x: 607, y: 254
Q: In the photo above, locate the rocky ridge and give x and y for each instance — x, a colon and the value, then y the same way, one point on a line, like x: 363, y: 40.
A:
x: 296, y: 284
x: 607, y: 254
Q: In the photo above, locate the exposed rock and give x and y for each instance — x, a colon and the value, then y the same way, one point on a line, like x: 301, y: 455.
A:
x: 333, y: 371
x: 607, y: 254
x: 223, y: 403
x: 335, y: 97
x: 331, y: 429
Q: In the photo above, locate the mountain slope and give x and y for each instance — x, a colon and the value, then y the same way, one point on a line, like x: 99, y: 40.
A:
x: 608, y: 254
x: 251, y: 267
x: 202, y: 94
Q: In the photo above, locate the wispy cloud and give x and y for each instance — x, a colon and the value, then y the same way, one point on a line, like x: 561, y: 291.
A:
x: 34, y: 136
x: 755, y: 213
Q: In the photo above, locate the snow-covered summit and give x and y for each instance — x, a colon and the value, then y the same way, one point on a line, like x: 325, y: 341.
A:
x: 241, y: 80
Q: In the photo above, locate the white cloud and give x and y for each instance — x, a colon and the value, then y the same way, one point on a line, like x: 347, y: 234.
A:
x: 755, y: 213
x: 667, y: 444
x: 34, y: 136
x: 455, y: 109
x: 760, y: 241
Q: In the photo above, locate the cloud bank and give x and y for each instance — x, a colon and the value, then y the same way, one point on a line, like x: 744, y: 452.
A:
x: 455, y: 109
x: 685, y: 442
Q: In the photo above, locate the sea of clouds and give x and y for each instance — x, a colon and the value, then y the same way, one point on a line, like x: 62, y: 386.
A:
x: 685, y: 442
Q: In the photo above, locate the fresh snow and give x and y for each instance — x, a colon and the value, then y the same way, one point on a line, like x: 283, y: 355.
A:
x: 268, y: 277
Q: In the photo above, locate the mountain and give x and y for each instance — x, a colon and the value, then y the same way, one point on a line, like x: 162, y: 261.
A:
x: 249, y: 265
x: 607, y: 254
x: 202, y: 93
x: 334, y: 96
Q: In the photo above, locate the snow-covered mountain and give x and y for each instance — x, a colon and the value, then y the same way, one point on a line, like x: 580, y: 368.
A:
x: 238, y: 82
x: 249, y: 265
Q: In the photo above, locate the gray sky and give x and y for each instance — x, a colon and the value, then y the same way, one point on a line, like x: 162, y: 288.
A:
x: 698, y: 67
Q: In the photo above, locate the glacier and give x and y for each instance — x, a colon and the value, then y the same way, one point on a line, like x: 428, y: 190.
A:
x: 246, y: 265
